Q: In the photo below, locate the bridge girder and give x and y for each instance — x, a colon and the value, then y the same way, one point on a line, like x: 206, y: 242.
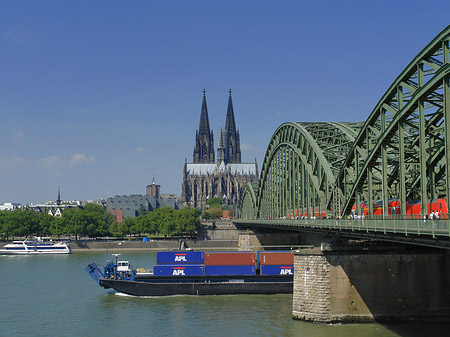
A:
x: 401, y: 151
x: 406, y: 138
x: 300, y: 166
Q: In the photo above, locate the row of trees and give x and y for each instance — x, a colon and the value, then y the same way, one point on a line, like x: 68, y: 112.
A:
x: 93, y: 221
x: 162, y: 221
x: 216, y: 208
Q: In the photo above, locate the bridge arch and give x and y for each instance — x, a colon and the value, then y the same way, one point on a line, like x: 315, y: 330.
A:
x: 405, y: 140
x: 299, y: 169
x: 248, y: 204
x: 401, y: 151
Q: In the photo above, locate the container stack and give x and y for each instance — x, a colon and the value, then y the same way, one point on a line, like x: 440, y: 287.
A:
x: 180, y: 263
x: 193, y: 263
x: 276, y: 263
x: 230, y: 263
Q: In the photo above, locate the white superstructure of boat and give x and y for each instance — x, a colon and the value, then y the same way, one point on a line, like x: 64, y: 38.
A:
x: 35, y: 245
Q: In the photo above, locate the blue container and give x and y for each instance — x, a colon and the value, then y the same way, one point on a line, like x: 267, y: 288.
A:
x: 180, y: 257
x: 179, y: 270
x: 277, y: 270
x: 229, y: 270
x: 144, y: 239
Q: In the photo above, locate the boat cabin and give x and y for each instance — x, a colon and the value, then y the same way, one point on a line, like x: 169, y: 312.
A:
x: 123, y: 266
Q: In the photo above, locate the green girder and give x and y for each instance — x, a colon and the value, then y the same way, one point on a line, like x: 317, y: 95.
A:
x: 401, y: 151
x: 299, y: 169
x: 404, y: 138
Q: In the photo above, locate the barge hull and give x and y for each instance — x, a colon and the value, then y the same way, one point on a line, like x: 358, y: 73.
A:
x: 137, y: 288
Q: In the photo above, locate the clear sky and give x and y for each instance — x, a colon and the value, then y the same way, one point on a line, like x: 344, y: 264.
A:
x: 99, y: 96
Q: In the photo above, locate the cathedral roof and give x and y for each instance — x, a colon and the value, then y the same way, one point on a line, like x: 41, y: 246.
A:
x: 204, y: 169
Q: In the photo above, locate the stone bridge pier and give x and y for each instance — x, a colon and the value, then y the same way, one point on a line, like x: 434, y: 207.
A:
x: 364, y: 285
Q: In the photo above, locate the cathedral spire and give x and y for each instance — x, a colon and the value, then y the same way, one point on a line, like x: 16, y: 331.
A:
x: 232, y: 146
x: 204, y: 138
x: 203, y: 128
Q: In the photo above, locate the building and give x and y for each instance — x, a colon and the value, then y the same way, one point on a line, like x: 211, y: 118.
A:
x: 55, y: 208
x: 10, y: 206
x: 129, y: 206
x: 225, y: 178
x: 153, y: 190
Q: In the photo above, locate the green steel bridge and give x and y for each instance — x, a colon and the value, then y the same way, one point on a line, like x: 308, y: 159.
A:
x: 401, y: 152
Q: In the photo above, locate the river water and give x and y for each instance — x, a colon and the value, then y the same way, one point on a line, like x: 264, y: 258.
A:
x: 53, y: 296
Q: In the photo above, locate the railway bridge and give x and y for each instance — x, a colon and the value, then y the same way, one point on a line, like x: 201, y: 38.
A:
x: 367, y: 190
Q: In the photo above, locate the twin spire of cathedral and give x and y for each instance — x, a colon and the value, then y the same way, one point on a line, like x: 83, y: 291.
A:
x: 229, y: 148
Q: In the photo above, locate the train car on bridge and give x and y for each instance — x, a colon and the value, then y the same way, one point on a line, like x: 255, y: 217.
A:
x: 413, y: 207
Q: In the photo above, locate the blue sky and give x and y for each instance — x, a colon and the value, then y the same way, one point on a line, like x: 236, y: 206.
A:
x: 99, y: 96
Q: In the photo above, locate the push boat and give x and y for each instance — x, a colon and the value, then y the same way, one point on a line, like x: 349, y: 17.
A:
x: 35, y: 245
x: 191, y: 273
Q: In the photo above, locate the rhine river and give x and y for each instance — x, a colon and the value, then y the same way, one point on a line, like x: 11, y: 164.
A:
x: 53, y: 296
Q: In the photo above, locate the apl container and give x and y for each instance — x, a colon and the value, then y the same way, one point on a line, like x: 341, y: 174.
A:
x: 230, y: 259
x: 276, y: 258
x: 180, y: 257
x: 269, y: 269
x: 229, y: 270
x: 179, y: 270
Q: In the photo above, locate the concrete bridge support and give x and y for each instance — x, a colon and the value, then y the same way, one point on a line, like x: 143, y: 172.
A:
x: 363, y: 286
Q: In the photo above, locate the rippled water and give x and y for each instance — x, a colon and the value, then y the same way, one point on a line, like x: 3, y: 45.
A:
x: 53, y: 296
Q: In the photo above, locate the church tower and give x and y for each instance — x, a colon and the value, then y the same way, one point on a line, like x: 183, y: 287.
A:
x: 232, y: 142
x: 58, y: 201
x: 204, y: 138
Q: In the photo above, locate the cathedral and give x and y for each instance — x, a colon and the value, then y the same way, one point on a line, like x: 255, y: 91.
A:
x: 225, y: 178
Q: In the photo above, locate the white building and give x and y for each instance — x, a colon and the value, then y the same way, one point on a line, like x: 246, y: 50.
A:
x: 10, y: 206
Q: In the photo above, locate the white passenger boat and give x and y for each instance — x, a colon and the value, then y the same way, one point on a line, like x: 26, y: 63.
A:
x: 36, y: 245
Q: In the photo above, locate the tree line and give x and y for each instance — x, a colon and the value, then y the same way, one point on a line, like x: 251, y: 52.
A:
x: 215, y: 208
x: 94, y: 222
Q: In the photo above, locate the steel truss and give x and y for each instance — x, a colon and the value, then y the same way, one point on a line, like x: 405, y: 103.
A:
x: 401, y: 151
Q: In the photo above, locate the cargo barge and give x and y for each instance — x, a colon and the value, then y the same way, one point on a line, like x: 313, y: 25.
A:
x: 200, y: 273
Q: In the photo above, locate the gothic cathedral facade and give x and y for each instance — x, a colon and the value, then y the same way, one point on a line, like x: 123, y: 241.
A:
x: 225, y: 178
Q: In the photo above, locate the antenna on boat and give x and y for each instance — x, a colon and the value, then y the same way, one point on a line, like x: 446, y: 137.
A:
x: 116, y: 256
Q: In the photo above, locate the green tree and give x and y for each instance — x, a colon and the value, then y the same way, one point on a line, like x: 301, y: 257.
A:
x: 56, y: 227
x: 214, y: 202
x: 215, y: 212
x: 45, y: 224
x: 167, y: 225
x: 22, y: 222
x: 74, y: 222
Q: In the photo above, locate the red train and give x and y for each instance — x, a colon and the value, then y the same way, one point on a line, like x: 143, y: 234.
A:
x: 412, y: 207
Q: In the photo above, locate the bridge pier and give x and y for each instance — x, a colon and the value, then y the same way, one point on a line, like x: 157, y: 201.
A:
x: 365, y: 286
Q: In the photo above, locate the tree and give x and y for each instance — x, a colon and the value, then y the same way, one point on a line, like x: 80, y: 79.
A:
x: 45, y: 224
x: 216, y: 212
x: 214, y: 202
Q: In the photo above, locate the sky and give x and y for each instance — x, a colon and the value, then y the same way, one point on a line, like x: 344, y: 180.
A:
x: 97, y: 97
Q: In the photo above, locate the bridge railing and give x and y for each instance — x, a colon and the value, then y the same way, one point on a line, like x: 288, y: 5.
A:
x: 429, y: 227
